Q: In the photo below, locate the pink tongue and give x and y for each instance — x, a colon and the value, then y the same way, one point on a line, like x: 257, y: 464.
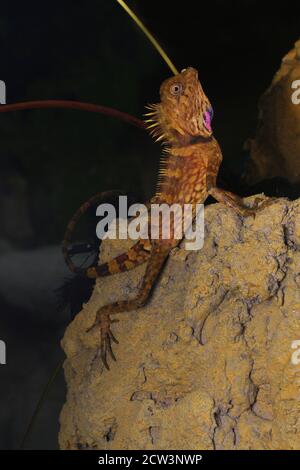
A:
x: 207, y: 121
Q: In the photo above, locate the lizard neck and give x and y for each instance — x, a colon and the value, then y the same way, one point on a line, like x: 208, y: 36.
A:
x: 184, y: 170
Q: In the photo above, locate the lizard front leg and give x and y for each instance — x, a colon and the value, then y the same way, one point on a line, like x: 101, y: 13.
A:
x: 236, y: 202
x: 103, y: 321
x: 230, y: 200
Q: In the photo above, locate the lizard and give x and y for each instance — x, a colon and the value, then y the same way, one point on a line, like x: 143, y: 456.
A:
x: 182, y: 122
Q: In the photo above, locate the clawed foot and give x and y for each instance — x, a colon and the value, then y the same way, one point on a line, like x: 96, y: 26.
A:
x: 260, y: 203
x: 106, y: 337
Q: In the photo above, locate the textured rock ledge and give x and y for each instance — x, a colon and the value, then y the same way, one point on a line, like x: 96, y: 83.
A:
x: 275, y: 149
x: 207, y: 363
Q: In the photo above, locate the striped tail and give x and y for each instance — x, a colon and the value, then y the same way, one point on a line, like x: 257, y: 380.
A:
x: 97, y: 198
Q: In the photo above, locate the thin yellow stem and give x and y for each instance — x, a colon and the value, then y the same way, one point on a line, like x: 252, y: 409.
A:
x: 149, y: 36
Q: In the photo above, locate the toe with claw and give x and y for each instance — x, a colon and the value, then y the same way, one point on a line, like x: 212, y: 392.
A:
x: 261, y: 203
x: 106, y: 337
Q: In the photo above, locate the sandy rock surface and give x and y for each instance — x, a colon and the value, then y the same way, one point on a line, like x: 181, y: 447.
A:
x: 212, y: 361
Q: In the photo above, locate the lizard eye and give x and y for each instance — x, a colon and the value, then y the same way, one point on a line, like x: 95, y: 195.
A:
x: 176, y: 89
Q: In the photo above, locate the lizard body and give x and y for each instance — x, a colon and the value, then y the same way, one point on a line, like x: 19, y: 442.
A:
x: 188, y: 172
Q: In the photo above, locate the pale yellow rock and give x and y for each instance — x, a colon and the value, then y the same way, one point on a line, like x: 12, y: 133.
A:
x: 207, y: 364
x: 275, y: 150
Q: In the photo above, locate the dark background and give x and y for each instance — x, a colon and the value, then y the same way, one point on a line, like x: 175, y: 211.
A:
x: 53, y: 160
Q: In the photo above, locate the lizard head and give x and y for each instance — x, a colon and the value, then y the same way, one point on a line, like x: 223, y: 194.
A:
x: 184, y: 113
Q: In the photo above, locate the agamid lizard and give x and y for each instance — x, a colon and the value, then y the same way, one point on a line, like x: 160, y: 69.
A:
x: 189, y: 167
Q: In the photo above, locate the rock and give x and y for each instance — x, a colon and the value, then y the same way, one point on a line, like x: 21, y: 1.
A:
x: 212, y: 361
x: 275, y: 151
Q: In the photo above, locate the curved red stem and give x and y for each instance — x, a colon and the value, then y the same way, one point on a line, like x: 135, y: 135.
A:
x: 94, y: 108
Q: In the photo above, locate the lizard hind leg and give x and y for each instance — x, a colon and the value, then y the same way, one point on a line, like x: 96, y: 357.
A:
x: 103, y: 320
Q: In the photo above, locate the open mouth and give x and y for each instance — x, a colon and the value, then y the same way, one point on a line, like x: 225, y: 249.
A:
x: 207, y: 120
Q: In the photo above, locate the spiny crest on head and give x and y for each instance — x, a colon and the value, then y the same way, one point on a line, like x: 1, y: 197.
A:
x: 153, y: 123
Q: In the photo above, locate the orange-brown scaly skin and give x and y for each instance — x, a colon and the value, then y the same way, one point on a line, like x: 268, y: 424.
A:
x: 188, y: 174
